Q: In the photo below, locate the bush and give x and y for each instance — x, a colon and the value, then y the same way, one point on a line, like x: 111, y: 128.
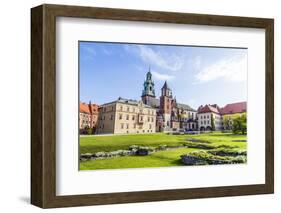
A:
x: 227, y: 152
x: 89, y: 131
x: 204, y: 158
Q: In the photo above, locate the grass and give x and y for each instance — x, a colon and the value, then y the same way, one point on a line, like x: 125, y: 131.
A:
x: 93, y: 144
x: 157, y: 159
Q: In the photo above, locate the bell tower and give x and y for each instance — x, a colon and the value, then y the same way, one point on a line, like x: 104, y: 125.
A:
x: 166, y: 104
x: 148, y: 91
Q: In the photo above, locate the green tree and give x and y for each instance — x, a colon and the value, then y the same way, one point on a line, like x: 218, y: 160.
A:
x: 213, y: 123
x: 240, y: 125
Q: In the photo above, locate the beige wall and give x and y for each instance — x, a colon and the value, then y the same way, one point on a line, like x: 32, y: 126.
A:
x: 106, y: 119
x: 85, y: 120
x: 121, y: 118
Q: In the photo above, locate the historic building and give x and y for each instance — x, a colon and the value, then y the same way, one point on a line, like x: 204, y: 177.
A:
x: 88, y: 116
x: 232, y: 111
x: 125, y: 116
x: 207, y: 115
x: 171, y: 116
x: 222, y: 117
x: 152, y: 114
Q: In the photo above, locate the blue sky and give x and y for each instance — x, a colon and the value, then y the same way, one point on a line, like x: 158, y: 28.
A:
x: 196, y: 75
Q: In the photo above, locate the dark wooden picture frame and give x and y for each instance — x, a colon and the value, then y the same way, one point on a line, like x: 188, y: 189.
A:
x: 43, y: 105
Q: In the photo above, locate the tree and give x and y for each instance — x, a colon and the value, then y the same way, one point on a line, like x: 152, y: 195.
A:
x: 240, y: 125
x: 227, y: 122
x: 212, y: 123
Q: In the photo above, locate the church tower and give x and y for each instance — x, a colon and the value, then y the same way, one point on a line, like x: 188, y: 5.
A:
x: 166, y: 104
x: 148, y: 92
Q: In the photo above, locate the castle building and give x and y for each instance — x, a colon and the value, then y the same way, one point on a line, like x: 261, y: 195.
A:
x: 125, y: 116
x: 222, y: 117
x: 152, y: 114
x: 171, y: 116
x: 88, y: 115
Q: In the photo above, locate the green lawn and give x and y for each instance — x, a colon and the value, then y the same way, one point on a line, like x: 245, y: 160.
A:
x: 93, y: 144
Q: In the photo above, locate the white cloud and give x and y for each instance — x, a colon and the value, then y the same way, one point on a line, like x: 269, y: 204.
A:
x: 230, y: 69
x: 161, y: 77
x: 161, y: 59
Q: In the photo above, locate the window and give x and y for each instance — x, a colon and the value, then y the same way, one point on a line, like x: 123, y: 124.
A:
x: 204, y: 116
x: 141, y: 118
x: 128, y: 109
x: 152, y: 120
x: 148, y: 119
x: 127, y: 126
x: 204, y: 122
x: 150, y: 126
x: 120, y: 116
x: 127, y: 117
x: 121, y: 108
x: 122, y: 126
x: 103, y: 126
x: 133, y: 117
x: 111, y: 117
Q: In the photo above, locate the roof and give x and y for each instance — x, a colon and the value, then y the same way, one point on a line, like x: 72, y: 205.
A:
x: 154, y: 102
x: 234, y: 108
x: 84, y: 108
x: 88, y: 108
x: 127, y: 101
x: 185, y: 107
x: 209, y: 108
x: 165, y: 86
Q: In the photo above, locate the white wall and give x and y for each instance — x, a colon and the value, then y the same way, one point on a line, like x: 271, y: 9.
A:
x: 15, y: 104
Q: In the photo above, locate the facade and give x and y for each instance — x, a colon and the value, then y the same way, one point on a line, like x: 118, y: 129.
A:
x: 209, y: 118
x: 232, y: 111
x: 222, y: 117
x: 125, y: 116
x: 88, y: 115
x: 151, y: 114
x: 171, y: 116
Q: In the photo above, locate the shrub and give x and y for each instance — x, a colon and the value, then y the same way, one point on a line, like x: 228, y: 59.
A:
x: 227, y: 152
x: 89, y: 131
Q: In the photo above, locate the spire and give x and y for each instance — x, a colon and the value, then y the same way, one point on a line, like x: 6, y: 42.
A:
x: 148, y: 85
x: 165, y: 86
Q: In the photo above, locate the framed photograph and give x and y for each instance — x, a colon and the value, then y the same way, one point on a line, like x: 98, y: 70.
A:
x: 137, y: 106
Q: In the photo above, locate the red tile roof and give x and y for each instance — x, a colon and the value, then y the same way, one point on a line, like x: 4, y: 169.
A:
x: 234, y: 108
x: 88, y: 108
x: 84, y: 108
x: 209, y: 108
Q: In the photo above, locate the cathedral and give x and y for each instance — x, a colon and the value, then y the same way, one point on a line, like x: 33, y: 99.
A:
x: 171, y: 115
